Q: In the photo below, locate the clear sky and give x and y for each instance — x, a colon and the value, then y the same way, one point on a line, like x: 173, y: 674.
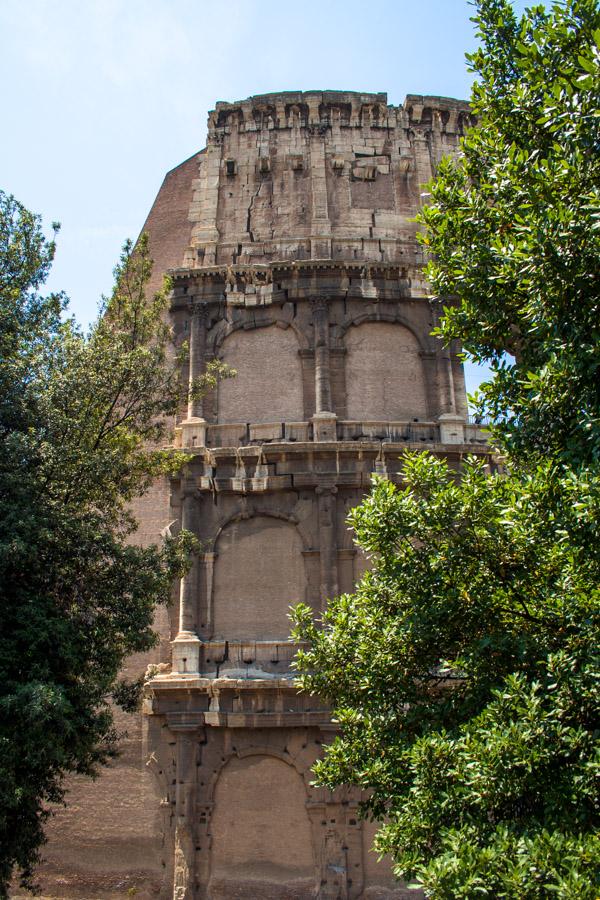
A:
x: 102, y: 97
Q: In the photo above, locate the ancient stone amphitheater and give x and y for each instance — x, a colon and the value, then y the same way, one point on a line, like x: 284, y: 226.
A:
x: 292, y: 246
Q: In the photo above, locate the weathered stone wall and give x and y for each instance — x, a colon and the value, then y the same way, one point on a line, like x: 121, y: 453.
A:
x: 268, y: 384
x: 385, y: 378
x: 294, y: 259
x: 259, y: 573
x: 333, y: 174
x: 261, y: 837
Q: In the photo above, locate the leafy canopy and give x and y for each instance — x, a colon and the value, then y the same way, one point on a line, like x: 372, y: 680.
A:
x: 514, y: 227
x: 464, y: 676
x: 81, y: 419
x: 464, y: 671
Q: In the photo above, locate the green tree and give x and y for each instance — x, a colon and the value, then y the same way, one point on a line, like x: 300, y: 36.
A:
x: 464, y: 674
x: 514, y: 227
x: 81, y: 418
x: 465, y: 671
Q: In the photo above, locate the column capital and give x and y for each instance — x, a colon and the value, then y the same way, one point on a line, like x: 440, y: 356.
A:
x: 199, y: 310
x: 319, y: 302
x: 188, y: 486
x: 325, y: 489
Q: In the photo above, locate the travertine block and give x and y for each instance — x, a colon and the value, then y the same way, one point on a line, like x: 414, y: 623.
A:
x: 452, y: 429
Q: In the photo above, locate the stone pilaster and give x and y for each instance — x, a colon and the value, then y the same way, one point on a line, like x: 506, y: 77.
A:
x: 423, y: 171
x: 186, y: 646
x: 206, y: 575
x: 184, y: 868
x: 326, y: 498
x: 320, y: 244
x: 320, y: 317
x: 198, y: 325
x: 446, y: 382
x: 205, y: 203
x: 193, y: 428
x: 452, y: 424
x: 324, y: 420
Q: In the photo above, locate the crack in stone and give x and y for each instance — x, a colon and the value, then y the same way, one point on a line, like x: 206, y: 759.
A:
x: 249, y: 219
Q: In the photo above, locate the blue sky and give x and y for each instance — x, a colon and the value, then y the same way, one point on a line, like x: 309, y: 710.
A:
x: 103, y: 97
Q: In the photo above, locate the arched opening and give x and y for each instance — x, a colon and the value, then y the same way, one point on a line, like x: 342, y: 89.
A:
x: 268, y: 384
x: 384, y: 373
x: 261, y: 838
x: 259, y: 574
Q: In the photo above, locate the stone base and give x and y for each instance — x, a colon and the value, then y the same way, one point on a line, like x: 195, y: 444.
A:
x: 193, y: 432
x: 452, y: 429
x: 186, y: 653
x: 324, y: 426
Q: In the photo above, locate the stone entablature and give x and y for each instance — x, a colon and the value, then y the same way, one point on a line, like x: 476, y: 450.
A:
x: 421, y: 435
x: 265, y: 285
x: 348, y: 109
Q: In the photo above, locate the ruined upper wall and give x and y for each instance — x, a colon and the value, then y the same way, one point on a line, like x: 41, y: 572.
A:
x: 318, y: 175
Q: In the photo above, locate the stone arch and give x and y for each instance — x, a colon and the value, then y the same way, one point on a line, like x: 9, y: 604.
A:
x: 301, y: 762
x: 395, y: 318
x: 223, y: 328
x: 252, y: 510
x: 385, y: 380
x: 259, y: 573
x: 268, y: 384
x: 261, y: 840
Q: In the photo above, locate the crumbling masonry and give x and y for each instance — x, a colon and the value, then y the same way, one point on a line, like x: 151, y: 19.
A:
x: 291, y: 243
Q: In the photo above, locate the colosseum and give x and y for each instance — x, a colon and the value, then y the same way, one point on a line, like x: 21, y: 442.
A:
x: 291, y: 244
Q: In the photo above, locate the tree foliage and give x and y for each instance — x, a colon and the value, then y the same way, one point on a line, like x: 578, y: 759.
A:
x: 464, y: 675
x: 81, y: 420
x: 464, y: 671
x: 514, y: 227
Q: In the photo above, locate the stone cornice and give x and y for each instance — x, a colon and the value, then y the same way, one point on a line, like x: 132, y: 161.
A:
x: 363, y: 267
x: 316, y: 111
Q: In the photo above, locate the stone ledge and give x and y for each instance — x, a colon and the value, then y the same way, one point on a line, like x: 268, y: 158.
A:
x: 355, y: 433
x: 178, y: 681
x: 266, y: 270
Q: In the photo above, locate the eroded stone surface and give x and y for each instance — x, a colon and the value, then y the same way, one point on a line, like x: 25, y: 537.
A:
x: 294, y: 259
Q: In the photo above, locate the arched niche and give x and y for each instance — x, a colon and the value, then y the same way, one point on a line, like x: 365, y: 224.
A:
x: 384, y: 373
x: 259, y: 574
x: 261, y: 838
x: 268, y: 384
